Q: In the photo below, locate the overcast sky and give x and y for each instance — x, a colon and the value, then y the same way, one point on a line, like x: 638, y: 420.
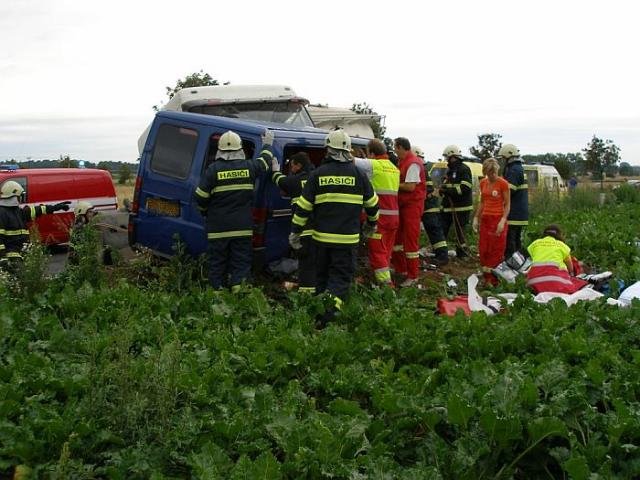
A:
x: 80, y: 77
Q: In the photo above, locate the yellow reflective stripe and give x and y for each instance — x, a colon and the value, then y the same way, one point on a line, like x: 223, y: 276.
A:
x: 458, y: 209
x: 2, y: 247
x: 304, y: 204
x: 432, y: 210
x: 306, y: 233
x: 411, y: 254
x: 14, y: 232
x: 335, y: 237
x: 518, y: 223
x: 267, y: 152
x: 374, y: 218
x: 441, y: 244
x: 376, y: 236
x: 524, y: 186
x: 398, y: 248
x: 339, y: 198
x: 297, y: 220
x: 32, y: 211
x: 13, y: 255
x: 230, y: 234
x: 294, y: 200
x: 266, y: 165
x: 468, y: 184
x: 458, y: 189
x: 371, y: 202
x: 202, y: 193
x: 236, y: 288
x: 276, y: 176
x: 230, y: 188
x: 337, y: 302
x: 311, y: 290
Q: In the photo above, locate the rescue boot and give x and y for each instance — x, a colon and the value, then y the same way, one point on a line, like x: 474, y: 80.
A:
x: 441, y: 258
x: 323, y: 319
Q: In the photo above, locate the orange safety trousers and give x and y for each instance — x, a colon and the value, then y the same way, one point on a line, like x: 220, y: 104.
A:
x: 380, y: 249
x: 405, y: 258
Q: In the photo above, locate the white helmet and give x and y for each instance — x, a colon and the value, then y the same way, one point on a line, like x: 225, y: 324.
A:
x: 11, y: 189
x: 452, y: 151
x: 509, y: 150
x: 229, y: 141
x: 339, y: 140
x: 418, y: 151
x: 83, y: 207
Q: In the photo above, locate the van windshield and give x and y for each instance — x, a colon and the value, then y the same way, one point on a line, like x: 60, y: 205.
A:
x: 290, y: 113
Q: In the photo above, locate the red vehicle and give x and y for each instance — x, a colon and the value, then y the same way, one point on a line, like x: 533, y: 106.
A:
x: 53, y: 185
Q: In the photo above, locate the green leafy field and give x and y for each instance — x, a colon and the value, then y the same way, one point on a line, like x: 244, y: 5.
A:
x: 159, y: 378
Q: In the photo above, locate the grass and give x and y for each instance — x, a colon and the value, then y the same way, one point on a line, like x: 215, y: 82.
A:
x: 124, y: 191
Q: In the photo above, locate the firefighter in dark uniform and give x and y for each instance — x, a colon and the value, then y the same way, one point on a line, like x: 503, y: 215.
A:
x: 300, y: 167
x: 335, y: 194
x: 457, y: 198
x: 513, y: 173
x: 14, y: 234
x: 225, y: 197
x: 431, y: 220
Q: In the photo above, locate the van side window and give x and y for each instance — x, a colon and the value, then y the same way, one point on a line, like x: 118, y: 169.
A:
x: 173, y: 151
x: 532, y: 178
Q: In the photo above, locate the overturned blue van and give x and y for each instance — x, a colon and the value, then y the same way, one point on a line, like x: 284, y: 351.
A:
x: 179, y: 148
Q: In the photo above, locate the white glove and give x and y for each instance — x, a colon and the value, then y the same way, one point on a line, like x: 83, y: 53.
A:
x: 267, y: 138
x: 475, y: 224
x: 294, y: 241
x: 275, y: 164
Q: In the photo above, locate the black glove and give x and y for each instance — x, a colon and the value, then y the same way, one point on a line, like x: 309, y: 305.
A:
x: 61, y: 206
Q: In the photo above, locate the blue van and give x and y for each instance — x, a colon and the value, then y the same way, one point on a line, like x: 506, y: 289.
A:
x: 179, y: 148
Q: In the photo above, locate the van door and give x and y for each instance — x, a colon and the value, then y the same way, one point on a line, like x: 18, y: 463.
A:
x: 169, y: 171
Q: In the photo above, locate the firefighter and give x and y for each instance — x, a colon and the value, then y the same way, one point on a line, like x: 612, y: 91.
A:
x: 431, y: 217
x: 411, y: 198
x: 457, y: 199
x: 513, y: 173
x: 385, y: 178
x: 300, y: 167
x: 14, y: 234
x: 224, y: 197
x: 553, y: 268
x: 335, y: 194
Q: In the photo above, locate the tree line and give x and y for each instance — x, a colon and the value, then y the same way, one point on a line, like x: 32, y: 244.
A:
x: 123, y: 171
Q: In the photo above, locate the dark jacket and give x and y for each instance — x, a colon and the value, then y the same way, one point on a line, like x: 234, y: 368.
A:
x: 514, y: 174
x: 335, y: 194
x: 14, y: 234
x: 432, y: 202
x: 457, y: 188
x: 225, y: 195
x: 292, y: 186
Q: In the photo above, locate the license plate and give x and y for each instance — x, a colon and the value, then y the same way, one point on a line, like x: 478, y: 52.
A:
x: 163, y: 208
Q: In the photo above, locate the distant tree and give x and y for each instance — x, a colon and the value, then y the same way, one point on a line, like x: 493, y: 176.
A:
x: 488, y: 146
x: 196, y: 79
x: 565, y: 168
x: 626, y: 170
x: 365, y: 109
x: 103, y: 166
x: 66, y: 162
x: 601, y: 156
x: 125, y: 174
